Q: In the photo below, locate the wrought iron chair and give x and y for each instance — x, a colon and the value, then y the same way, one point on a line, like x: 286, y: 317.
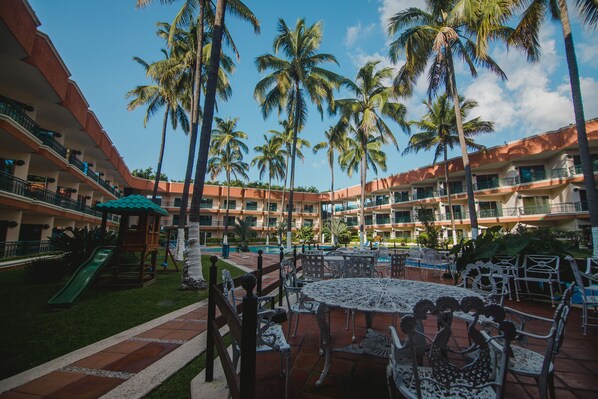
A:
x: 312, y: 266
x: 486, y: 279
x: 510, y: 265
x: 589, y: 293
x: 539, y: 366
x: 433, y: 373
x: 540, y: 269
x: 357, y: 266
x: 592, y: 266
x: 297, y: 304
x: 382, y: 260
x: 270, y: 335
x: 434, y: 259
x: 415, y: 257
x: 397, y: 265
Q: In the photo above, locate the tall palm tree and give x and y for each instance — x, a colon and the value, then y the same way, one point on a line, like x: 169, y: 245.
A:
x: 270, y: 160
x: 336, y: 140
x: 352, y: 160
x: 284, y: 139
x: 293, y: 78
x: 438, y: 132
x: 449, y: 29
x: 226, y: 153
x: 528, y: 29
x: 366, y: 110
x: 166, y: 93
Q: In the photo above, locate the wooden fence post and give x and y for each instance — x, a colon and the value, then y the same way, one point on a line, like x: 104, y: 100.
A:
x: 295, y: 257
x: 211, y: 320
x: 248, y: 337
x: 260, y: 265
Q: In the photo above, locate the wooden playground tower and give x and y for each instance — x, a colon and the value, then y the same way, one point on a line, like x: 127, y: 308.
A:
x: 138, y: 234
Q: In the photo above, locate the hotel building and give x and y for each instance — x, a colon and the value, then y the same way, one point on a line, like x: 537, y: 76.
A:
x: 56, y: 162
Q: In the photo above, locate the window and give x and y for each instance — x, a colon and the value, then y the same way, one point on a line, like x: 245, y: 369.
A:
x: 402, y: 217
x: 382, y: 218
x: 381, y: 199
x: 536, y: 205
x: 175, y: 220
x: 231, y: 220
x: 424, y: 192
x: 308, y: 222
x: 368, y: 220
x: 401, y: 196
x: 456, y: 187
x: 402, y: 234
x: 205, y: 220
x: 486, y: 181
x: 232, y: 205
x: 352, y: 221
x: 206, y: 203
x: 157, y: 200
x: 272, y: 222
x: 490, y: 209
x: 308, y: 208
x: 7, y: 166
x: 273, y: 206
x: 251, y: 220
x: 177, y: 202
x: 251, y: 205
x: 457, y: 211
x: 529, y: 174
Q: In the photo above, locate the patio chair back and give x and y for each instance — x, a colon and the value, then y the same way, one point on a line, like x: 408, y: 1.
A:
x: 592, y: 266
x: 313, y: 266
x: 313, y: 252
x: 397, y: 265
x: 486, y: 279
x: 358, y: 266
x: 483, y: 377
x: 588, y: 291
x: 542, y: 269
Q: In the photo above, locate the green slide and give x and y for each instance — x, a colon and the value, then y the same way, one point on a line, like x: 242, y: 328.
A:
x: 83, y: 277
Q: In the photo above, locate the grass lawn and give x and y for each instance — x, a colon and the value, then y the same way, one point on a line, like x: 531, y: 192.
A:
x: 34, y: 334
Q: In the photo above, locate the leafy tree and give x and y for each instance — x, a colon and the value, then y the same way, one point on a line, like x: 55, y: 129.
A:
x: 430, y: 236
x: 243, y: 232
x: 439, y: 133
x: 148, y: 174
x: 305, y: 234
x: 365, y: 111
x: 293, y: 78
x: 334, y: 229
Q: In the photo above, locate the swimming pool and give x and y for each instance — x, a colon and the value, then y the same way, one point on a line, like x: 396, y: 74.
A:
x: 270, y: 249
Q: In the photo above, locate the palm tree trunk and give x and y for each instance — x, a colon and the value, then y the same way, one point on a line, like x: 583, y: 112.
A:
x: 332, y: 237
x: 193, y: 275
x: 284, y: 188
x: 225, y: 236
x: 161, y: 156
x: 298, y: 107
x: 582, y: 138
x: 473, y: 217
x: 268, y: 210
x: 362, y: 204
x: 180, y: 246
x: 448, y: 196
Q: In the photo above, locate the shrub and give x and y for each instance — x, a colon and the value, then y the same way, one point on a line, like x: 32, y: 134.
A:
x: 48, y: 270
x: 78, y: 245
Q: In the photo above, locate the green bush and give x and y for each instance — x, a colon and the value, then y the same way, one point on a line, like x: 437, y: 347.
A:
x: 78, y: 245
x: 40, y: 271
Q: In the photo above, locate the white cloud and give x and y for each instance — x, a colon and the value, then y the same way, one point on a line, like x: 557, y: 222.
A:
x: 588, y: 52
x: 357, y: 32
x: 388, y: 8
x: 493, y: 103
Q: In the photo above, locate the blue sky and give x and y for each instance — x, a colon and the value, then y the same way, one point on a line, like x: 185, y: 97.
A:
x: 97, y: 41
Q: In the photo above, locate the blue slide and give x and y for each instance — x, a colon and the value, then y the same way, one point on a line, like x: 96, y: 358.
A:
x: 83, y: 277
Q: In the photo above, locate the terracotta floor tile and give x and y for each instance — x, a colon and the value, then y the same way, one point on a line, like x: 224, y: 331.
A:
x: 172, y: 325
x: 98, y: 360
x: 141, y: 358
x: 126, y: 346
x: 580, y: 381
x: 193, y: 326
x: 90, y: 387
x: 181, y: 334
x: 154, y: 333
x: 18, y: 395
x: 49, y: 383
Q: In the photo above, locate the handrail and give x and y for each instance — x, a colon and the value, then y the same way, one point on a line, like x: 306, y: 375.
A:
x: 13, y: 249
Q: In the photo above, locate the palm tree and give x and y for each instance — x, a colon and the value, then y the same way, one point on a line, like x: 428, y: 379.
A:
x: 357, y: 156
x: 527, y: 29
x: 449, y: 29
x: 335, y: 228
x: 335, y: 140
x: 293, y: 78
x: 366, y: 110
x: 271, y: 160
x: 284, y: 138
x: 227, y: 156
x: 163, y: 93
x: 439, y: 133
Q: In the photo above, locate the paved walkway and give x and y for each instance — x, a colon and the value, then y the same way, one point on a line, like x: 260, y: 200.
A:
x: 129, y: 364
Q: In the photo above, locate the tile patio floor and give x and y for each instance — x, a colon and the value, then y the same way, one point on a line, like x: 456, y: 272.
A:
x: 351, y: 376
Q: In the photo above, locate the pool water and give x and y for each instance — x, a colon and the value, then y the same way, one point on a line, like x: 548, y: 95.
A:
x: 270, y: 249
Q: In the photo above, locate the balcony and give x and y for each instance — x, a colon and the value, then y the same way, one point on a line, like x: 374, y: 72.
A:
x: 564, y: 207
x: 425, y: 194
x: 402, y: 219
x: 352, y: 223
x: 402, y: 197
x: 576, y: 169
x: 385, y: 220
x: 251, y: 207
x: 23, y: 188
x: 348, y: 207
x: 490, y: 213
x: 13, y: 249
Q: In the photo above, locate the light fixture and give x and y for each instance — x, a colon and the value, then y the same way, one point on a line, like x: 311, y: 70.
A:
x: 576, y: 189
x: 88, y: 197
x: 569, y: 156
x: 73, y: 190
x: 19, y: 162
x: 90, y: 164
x: 519, y: 197
x: 101, y: 173
x: 51, y: 180
x: 45, y: 226
x: 56, y: 134
x: 13, y: 223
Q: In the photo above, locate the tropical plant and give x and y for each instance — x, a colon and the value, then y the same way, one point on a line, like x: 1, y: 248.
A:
x: 534, y: 12
x: 439, y: 133
x: 365, y: 111
x: 430, y: 236
x: 449, y: 29
x: 167, y: 93
x: 79, y: 243
x: 334, y: 229
x: 293, y: 78
x: 281, y: 227
x: 284, y: 138
x: 305, y: 234
x: 336, y: 140
x: 269, y: 160
x: 227, y: 157
x: 243, y: 232
x: 148, y: 174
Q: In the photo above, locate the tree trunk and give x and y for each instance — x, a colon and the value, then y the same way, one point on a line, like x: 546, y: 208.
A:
x: 193, y: 276
x: 473, y: 217
x: 580, y: 123
x: 448, y: 196
x: 362, y: 205
x: 180, y: 245
x: 284, y: 187
x: 225, y: 236
x: 161, y: 156
x: 268, y: 210
x: 332, y: 236
x: 298, y: 107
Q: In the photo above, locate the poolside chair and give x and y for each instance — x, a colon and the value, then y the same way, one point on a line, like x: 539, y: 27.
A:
x: 592, y: 266
x: 397, y: 265
x: 434, y: 259
x: 486, y: 279
x: 510, y: 265
x: 437, y: 375
x: 382, y: 260
x: 529, y: 363
x: 270, y: 335
x: 543, y: 270
x: 415, y: 257
x: 588, y: 291
x: 312, y: 266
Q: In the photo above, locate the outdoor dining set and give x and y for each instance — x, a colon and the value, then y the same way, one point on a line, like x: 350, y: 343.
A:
x: 424, y: 361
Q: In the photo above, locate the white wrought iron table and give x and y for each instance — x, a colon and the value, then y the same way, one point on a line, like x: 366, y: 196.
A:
x: 372, y: 295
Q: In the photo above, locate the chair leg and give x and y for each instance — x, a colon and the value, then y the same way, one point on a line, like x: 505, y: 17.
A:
x: 353, y: 339
x: 551, y: 294
x: 584, y: 318
x: 296, y: 325
x: 290, y: 323
x: 517, y: 290
x: 551, y: 386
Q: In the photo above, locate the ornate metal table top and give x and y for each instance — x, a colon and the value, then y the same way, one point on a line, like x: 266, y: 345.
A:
x: 382, y: 295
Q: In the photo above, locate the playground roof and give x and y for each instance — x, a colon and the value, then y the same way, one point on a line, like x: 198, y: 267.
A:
x: 133, y: 204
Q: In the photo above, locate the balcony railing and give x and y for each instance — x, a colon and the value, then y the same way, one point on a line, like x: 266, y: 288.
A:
x: 23, y: 188
x: 383, y: 220
x: 352, y: 223
x: 341, y: 208
x: 14, y: 249
x: 576, y: 169
x: 564, y: 207
x: 425, y: 194
x: 76, y: 162
x: 251, y: 207
x: 402, y: 219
